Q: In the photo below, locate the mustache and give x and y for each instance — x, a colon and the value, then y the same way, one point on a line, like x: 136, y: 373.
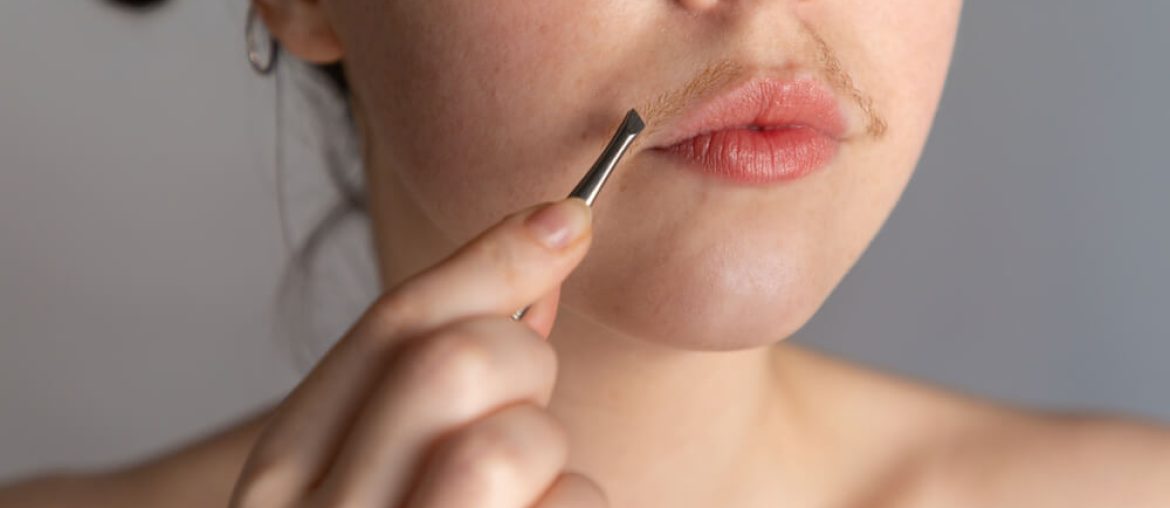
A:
x: 822, y: 58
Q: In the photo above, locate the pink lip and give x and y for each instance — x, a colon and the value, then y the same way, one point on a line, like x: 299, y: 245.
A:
x: 760, y: 132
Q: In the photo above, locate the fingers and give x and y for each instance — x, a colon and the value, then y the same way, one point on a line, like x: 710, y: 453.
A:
x: 573, y: 490
x: 434, y: 385
x: 506, y: 459
x: 501, y: 270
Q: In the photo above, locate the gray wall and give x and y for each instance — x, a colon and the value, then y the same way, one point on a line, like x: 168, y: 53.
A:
x: 1029, y: 259
x: 139, y: 242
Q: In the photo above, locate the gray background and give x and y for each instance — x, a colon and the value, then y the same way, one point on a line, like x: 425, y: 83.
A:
x: 140, y: 244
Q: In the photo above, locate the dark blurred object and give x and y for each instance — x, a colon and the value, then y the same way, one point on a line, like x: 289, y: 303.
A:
x: 336, y: 74
x: 137, y: 4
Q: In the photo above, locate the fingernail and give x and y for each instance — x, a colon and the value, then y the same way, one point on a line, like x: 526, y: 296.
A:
x: 561, y: 223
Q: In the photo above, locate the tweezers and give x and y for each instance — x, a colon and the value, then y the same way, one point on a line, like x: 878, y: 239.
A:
x: 590, y: 185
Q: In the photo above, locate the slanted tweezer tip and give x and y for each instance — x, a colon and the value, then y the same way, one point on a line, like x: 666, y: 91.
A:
x: 634, y: 121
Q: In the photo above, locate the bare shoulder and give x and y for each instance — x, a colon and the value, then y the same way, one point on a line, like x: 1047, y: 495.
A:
x: 934, y: 447
x: 1054, y: 459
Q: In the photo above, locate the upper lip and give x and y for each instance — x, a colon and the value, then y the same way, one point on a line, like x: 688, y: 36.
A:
x: 760, y: 103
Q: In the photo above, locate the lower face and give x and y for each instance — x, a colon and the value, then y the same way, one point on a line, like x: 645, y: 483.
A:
x: 472, y: 110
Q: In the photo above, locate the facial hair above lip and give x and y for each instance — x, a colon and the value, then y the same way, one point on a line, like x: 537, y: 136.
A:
x: 724, y: 72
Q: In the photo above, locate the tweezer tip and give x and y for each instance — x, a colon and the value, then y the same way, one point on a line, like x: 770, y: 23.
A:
x: 634, y: 123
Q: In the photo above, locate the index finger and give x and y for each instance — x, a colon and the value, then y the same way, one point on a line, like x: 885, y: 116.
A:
x: 504, y: 268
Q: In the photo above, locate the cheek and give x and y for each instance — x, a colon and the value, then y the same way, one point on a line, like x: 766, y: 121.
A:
x: 476, y: 73
x: 903, y: 54
x: 898, y: 52
x: 911, y: 47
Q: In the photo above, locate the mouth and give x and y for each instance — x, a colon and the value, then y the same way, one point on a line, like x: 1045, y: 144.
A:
x: 761, y: 131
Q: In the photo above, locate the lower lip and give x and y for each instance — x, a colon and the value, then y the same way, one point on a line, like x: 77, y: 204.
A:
x: 757, y: 157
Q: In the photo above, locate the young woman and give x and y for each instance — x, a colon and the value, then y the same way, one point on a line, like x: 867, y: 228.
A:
x: 652, y: 369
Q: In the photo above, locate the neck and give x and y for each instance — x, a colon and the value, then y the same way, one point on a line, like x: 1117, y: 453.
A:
x: 658, y: 426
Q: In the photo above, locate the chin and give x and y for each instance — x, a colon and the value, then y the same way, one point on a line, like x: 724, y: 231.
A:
x: 730, y: 290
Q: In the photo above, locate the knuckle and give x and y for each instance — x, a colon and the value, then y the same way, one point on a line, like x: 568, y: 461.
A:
x: 558, y: 433
x: 537, y: 354
x: 502, y: 258
x: 553, y: 437
x: 450, y: 360
x: 575, y: 490
x: 543, y: 431
x: 394, y: 307
x: 486, y: 457
x: 334, y: 498
x: 530, y: 350
x: 582, y: 490
x: 262, y: 486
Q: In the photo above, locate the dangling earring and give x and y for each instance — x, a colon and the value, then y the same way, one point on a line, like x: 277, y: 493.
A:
x: 260, y: 44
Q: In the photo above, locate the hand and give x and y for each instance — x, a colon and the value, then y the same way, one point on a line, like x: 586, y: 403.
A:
x: 436, y: 397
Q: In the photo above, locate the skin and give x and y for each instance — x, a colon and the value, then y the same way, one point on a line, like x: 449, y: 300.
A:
x: 652, y: 371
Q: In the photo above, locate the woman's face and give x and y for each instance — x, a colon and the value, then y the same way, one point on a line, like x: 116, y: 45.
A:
x: 471, y: 110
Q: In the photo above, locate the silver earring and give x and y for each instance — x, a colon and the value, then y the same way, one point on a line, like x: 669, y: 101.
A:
x: 259, y: 43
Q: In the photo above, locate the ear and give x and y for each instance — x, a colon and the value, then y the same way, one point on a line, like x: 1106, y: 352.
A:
x: 302, y: 28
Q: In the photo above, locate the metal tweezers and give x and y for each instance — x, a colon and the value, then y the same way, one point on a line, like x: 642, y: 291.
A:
x: 590, y: 185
